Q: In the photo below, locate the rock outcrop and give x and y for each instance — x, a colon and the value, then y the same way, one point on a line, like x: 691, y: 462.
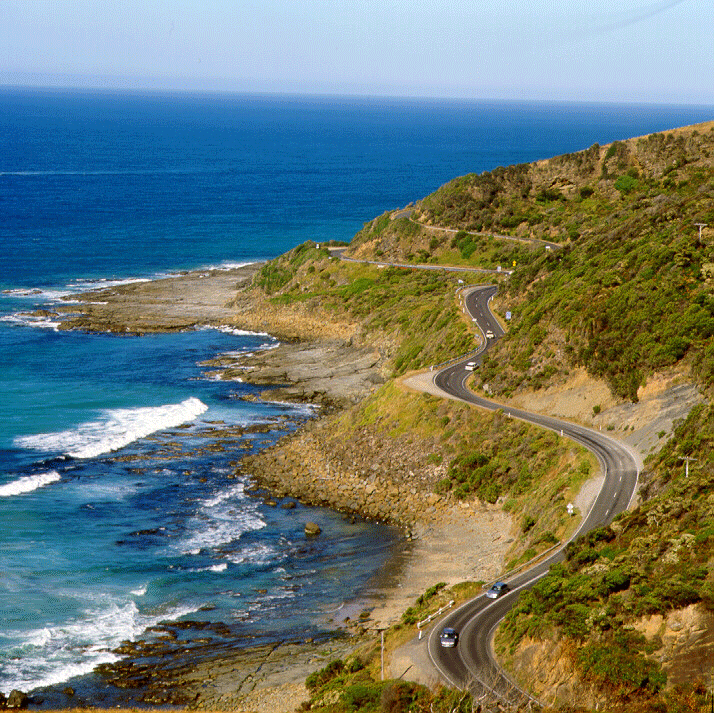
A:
x: 384, y: 478
x: 326, y: 373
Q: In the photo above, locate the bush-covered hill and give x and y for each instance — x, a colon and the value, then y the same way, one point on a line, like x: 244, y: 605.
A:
x: 630, y: 290
x: 611, y: 604
x: 412, y: 315
x: 626, y: 290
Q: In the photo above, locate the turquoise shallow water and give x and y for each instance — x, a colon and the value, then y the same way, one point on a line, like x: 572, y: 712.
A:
x: 98, y: 187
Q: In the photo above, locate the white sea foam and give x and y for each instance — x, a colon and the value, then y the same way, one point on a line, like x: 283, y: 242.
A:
x: 299, y: 408
x: 257, y: 554
x: 102, y: 283
x: 235, y: 492
x: 100, y: 491
x: 116, y: 429
x: 28, y: 483
x: 39, y: 294
x: 225, y: 266
x: 222, y: 567
x: 222, y: 519
x: 30, y: 320
x: 59, y: 652
x: 62, y: 294
x: 227, y: 329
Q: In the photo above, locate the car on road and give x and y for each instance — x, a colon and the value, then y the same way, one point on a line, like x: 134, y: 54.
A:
x: 489, y: 334
x: 470, y: 366
x: 449, y: 637
x: 497, y: 589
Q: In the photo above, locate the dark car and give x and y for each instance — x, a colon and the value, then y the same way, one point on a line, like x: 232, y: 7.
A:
x: 497, y: 590
x: 449, y: 637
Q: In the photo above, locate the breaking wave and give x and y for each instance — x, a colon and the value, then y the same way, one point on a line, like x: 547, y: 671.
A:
x: 116, y: 429
x: 28, y: 483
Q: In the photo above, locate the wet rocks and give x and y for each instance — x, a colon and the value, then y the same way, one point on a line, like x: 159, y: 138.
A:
x: 17, y: 700
x: 312, y: 529
x: 330, y: 374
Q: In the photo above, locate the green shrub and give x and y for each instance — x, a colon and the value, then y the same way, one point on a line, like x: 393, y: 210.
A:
x: 620, y: 666
x: 527, y: 523
x: 363, y: 697
x: 548, y: 195
x: 320, y: 678
x: 625, y: 184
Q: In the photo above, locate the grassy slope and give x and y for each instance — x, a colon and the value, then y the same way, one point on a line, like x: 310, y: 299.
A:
x: 654, y: 560
x: 415, y: 319
x: 629, y: 293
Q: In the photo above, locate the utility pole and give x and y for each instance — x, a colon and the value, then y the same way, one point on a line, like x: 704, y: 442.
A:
x: 382, y: 654
x: 686, y: 460
x: 700, y: 226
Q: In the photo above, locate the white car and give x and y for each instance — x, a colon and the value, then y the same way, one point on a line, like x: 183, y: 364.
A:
x: 489, y: 334
x: 470, y: 366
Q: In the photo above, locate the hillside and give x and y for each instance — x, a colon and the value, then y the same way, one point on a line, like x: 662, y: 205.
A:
x: 609, y: 285
x: 625, y: 293
x: 628, y: 295
x: 630, y: 290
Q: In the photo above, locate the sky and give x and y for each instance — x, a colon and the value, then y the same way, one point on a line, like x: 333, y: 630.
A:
x: 659, y: 51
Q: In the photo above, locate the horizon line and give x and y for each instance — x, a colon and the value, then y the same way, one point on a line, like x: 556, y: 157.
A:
x: 158, y: 90
x: 224, y: 86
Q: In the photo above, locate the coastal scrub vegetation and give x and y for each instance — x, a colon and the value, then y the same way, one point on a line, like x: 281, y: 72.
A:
x: 625, y: 292
x: 355, y: 683
x: 348, y: 687
x: 468, y: 454
x: 412, y: 314
x: 649, y: 562
x: 630, y: 290
x: 405, y: 240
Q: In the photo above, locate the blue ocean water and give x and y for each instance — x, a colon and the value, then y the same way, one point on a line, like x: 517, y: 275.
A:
x: 113, y: 514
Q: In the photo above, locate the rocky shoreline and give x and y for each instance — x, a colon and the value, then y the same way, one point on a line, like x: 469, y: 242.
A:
x: 328, y: 374
x: 320, y: 362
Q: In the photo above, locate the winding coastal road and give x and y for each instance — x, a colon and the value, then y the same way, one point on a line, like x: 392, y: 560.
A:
x: 471, y: 664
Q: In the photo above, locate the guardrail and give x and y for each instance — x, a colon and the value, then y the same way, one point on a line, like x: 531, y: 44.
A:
x: 526, y: 565
x: 433, y: 616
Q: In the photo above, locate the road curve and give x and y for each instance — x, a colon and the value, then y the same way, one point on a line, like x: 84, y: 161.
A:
x: 339, y: 252
x: 471, y: 664
x: 407, y: 213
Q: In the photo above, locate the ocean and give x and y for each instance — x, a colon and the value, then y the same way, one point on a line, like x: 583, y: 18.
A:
x: 115, y: 514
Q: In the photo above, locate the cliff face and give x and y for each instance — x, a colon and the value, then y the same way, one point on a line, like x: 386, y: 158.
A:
x: 548, y: 670
x: 681, y: 641
x: 687, y: 642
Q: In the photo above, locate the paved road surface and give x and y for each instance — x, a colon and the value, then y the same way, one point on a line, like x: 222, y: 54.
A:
x: 471, y: 664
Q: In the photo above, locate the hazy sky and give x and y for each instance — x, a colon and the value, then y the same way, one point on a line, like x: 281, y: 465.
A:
x: 588, y: 50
